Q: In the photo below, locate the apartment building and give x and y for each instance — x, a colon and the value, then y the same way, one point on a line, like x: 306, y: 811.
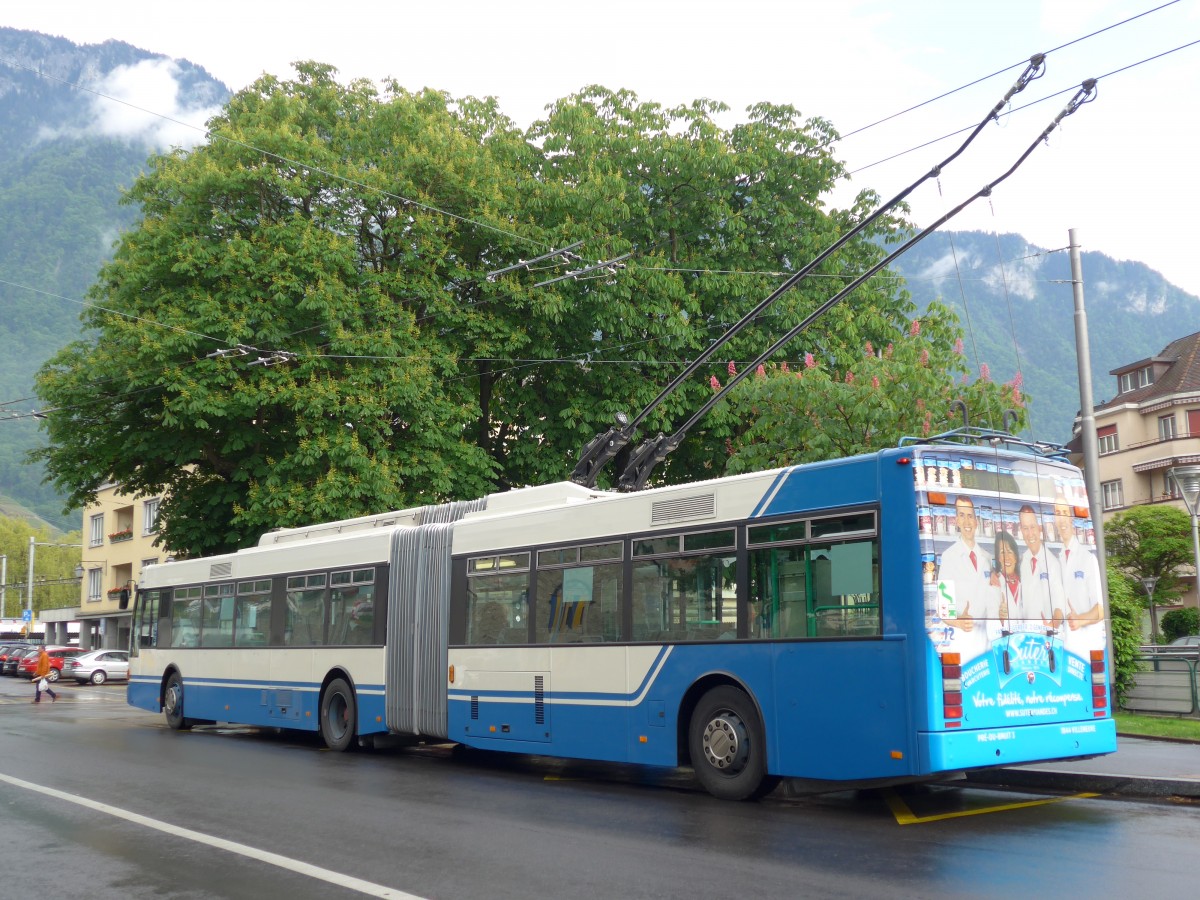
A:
x: 1151, y: 426
x: 118, y: 541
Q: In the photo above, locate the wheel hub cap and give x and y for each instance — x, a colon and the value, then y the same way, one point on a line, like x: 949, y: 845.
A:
x: 725, y: 745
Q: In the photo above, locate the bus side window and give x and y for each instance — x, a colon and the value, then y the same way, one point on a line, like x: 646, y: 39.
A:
x: 489, y: 624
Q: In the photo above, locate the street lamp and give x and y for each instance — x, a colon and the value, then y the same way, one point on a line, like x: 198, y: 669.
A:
x: 1148, y: 583
x: 1187, y: 479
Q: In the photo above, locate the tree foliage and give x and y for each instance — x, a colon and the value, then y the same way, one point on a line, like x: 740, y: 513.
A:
x: 354, y: 229
x: 54, y: 582
x: 1151, y: 542
x: 904, y: 382
x: 1179, y: 622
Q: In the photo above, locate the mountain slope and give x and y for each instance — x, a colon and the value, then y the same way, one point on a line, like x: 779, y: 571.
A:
x: 67, y: 158
x: 1016, y: 305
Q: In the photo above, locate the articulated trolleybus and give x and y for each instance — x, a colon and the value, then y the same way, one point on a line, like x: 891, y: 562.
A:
x: 909, y: 614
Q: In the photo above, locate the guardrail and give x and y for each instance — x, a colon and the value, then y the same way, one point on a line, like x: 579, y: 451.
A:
x: 1166, y: 683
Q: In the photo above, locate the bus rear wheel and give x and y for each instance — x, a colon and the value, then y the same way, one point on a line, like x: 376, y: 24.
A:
x: 727, y: 744
x: 339, y: 714
x: 173, y: 703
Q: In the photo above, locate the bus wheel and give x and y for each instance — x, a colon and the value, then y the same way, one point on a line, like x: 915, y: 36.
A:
x: 727, y: 745
x: 338, y: 716
x: 173, y: 703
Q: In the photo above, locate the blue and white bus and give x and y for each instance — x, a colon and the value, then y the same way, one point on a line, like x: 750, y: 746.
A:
x: 817, y: 622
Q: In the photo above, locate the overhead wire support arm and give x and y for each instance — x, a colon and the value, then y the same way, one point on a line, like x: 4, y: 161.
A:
x: 610, y: 266
x: 655, y: 450
x: 227, y: 352
x: 599, y: 452
x: 565, y: 252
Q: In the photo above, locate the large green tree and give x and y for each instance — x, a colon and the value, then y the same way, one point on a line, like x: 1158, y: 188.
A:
x: 354, y: 228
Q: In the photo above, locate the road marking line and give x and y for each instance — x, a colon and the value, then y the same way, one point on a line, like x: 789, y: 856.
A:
x: 905, y: 816
x: 274, y: 859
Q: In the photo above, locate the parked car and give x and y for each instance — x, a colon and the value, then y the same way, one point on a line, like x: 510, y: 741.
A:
x: 98, y: 666
x: 8, y: 648
x: 1189, y: 644
x: 9, y: 666
x: 58, y: 657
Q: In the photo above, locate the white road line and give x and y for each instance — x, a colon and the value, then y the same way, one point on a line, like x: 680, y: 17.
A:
x: 274, y: 859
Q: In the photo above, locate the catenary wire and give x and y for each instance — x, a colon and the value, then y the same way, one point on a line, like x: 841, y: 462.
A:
x: 1017, y: 109
x: 513, y: 234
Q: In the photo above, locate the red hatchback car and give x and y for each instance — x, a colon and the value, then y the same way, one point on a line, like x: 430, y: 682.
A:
x: 58, y: 655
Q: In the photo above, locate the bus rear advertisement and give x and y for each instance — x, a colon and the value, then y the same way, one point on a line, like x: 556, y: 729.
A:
x: 903, y: 615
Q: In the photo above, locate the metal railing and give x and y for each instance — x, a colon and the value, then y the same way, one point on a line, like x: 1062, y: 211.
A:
x: 1165, y: 683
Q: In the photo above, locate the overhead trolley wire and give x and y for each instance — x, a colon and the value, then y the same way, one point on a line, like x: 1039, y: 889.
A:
x: 1017, y: 109
x: 1009, y: 68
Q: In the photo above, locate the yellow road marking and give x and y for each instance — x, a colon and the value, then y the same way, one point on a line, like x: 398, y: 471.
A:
x: 905, y: 816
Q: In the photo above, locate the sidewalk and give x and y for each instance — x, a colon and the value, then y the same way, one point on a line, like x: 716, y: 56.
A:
x: 1140, y: 768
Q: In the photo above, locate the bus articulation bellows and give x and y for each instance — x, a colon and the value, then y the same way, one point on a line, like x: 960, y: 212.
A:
x: 816, y: 622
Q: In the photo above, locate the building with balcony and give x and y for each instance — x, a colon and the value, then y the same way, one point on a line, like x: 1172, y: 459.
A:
x: 118, y: 541
x: 1149, y: 427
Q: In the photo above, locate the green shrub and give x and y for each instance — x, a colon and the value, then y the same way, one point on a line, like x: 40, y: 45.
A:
x: 1125, y: 617
x: 1179, y: 622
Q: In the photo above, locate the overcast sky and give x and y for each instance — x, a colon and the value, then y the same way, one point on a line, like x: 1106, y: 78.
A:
x: 1121, y: 171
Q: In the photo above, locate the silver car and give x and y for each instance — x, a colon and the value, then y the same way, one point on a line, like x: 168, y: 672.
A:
x: 98, y: 666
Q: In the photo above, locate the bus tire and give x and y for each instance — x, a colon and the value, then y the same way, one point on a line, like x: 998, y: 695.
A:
x: 173, y: 704
x: 339, y: 713
x: 727, y: 744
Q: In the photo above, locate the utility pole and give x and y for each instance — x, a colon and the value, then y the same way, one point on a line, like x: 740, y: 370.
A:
x: 29, y: 589
x: 33, y: 544
x: 1087, y: 431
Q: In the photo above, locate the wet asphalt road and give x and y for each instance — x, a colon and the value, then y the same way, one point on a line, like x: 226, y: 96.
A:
x: 99, y: 800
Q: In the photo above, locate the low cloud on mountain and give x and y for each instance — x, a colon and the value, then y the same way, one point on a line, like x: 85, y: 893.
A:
x: 143, y: 103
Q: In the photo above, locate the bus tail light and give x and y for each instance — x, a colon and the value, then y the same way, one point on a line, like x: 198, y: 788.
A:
x: 1099, y: 683
x: 952, y: 689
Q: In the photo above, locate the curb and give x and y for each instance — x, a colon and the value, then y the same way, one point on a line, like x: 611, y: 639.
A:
x: 1119, y: 785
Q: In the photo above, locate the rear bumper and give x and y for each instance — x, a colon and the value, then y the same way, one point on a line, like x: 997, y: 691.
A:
x: 946, y: 751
